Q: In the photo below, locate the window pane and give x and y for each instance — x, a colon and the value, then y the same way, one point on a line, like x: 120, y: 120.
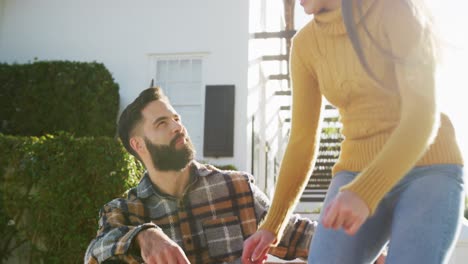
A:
x: 185, y: 71
x: 196, y: 70
x: 173, y: 74
x: 161, y: 70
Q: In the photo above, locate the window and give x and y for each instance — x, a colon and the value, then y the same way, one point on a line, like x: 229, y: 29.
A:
x: 180, y: 77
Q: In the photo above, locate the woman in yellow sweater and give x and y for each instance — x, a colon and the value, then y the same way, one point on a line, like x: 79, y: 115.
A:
x: 399, y: 176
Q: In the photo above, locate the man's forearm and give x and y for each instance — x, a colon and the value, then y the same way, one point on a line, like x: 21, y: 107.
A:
x: 116, y: 242
x: 156, y: 247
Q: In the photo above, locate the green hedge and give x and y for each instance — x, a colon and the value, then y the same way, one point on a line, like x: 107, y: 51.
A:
x: 53, y: 188
x: 466, y: 207
x: 49, y: 96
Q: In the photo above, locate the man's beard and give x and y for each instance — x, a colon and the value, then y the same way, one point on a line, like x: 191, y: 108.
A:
x: 167, y: 157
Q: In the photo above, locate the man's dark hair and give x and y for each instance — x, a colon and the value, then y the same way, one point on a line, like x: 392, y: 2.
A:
x: 131, y: 115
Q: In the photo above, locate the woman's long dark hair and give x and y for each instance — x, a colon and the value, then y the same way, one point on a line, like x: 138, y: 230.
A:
x: 347, y: 9
x: 350, y: 24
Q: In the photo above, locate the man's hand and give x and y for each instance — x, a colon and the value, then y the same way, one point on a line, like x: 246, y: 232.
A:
x: 157, y: 248
x: 346, y: 211
x: 256, y: 247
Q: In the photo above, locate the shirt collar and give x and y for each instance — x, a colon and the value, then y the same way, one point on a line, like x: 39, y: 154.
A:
x: 146, y: 188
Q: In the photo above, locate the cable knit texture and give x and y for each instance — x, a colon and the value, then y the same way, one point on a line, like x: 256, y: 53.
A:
x: 389, y: 126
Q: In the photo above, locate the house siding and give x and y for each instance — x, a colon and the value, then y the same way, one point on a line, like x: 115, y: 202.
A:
x: 123, y: 34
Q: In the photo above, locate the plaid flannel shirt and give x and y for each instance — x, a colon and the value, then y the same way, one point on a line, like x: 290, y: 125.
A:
x: 218, y: 211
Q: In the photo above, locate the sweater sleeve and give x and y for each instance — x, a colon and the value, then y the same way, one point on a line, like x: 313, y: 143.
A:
x: 301, y: 149
x: 415, y: 75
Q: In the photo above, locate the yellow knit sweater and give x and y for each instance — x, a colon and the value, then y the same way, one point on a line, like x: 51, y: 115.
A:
x: 388, y: 128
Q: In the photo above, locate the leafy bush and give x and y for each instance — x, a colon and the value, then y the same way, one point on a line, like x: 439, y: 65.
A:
x: 50, y: 96
x: 9, y: 239
x: 226, y: 167
x: 54, y: 187
x: 466, y: 207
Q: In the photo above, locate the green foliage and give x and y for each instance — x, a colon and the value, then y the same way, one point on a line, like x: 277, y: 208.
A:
x: 226, y: 167
x: 318, y: 209
x: 10, y: 149
x: 331, y: 131
x: 53, y: 188
x: 49, y: 96
x: 466, y: 207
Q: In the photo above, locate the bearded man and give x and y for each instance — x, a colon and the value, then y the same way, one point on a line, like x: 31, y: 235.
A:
x: 182, y: 211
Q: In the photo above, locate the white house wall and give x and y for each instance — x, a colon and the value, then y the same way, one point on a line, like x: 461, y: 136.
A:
x: 122, y: 34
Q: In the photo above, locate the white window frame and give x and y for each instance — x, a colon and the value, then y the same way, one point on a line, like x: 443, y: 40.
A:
x: 198, y: 128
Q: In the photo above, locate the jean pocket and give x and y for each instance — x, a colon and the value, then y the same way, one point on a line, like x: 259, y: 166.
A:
x: 224, y: 238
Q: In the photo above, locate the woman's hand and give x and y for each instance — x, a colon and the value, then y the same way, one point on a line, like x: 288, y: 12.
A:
x: 347, y: 211
x: 256, y: 247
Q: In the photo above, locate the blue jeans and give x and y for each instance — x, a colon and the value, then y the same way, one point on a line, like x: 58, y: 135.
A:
x: 421, y: 217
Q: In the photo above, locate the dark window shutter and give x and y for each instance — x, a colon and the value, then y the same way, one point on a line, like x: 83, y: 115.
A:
x: 219, y: 121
